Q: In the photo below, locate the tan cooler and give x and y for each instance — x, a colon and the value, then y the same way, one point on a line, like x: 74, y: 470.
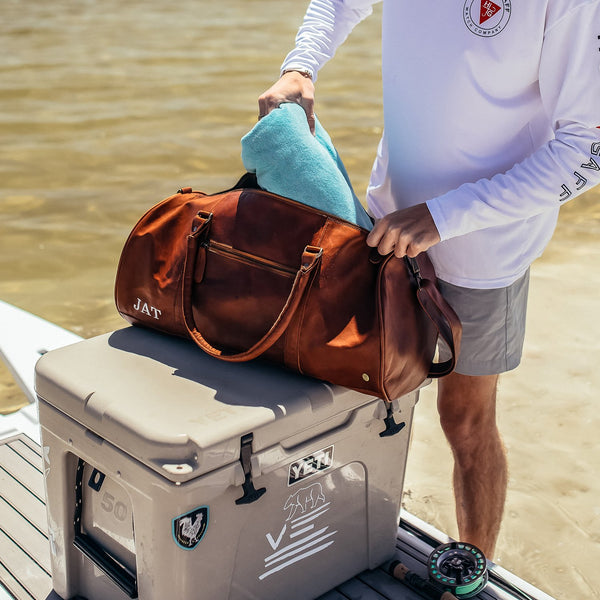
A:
x: 173, y: 475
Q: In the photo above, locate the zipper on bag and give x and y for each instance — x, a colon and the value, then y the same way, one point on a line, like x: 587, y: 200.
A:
x: 249, y: 259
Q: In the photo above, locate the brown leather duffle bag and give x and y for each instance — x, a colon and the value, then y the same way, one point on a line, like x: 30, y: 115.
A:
x: 247, y: 274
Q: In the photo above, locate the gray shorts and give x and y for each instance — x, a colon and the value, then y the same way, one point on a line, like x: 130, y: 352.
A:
x: 493, y: 326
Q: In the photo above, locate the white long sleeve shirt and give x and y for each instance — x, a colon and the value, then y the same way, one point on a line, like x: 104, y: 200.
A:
x: 491, y: 116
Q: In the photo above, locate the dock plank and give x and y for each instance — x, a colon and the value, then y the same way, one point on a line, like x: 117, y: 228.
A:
x: 28, y: 453
x: 24, y: 548
x: 33, y: 541
x: 27, y: 441
x: 387, y: 586
x: 333, y: 595
x: 12, y: 585
x: 27, y: 475
x: 32, y: 578
x: 355, y: 589
x: 19, y: 497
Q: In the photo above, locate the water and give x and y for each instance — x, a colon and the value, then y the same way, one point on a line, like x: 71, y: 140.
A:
x: 108, y: 107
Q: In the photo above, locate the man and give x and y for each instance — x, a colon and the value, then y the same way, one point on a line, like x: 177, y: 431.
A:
x: 491, y: 123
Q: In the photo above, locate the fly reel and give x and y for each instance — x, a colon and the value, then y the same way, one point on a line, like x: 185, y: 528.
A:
x: 459, y: 568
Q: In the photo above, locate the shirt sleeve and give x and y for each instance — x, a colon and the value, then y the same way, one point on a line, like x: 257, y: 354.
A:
x: 563, y: 168
x: 326, y: 26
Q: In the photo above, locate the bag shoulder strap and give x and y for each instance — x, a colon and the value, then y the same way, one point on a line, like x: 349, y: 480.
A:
x: 446, y: 322
x: 443, y: 317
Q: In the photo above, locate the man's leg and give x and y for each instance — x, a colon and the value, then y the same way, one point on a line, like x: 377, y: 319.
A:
x: 467, y: 408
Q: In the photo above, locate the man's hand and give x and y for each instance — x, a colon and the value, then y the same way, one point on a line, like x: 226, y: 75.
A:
x: 406, y: 232
x: 291, y: 87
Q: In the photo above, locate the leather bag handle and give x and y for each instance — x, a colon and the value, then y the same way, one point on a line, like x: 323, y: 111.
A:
x: 311, y: 258
x: 443, y: 317
x: 446, y: 322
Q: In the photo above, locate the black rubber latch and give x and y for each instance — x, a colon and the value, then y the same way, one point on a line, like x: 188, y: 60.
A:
x: 391, y: 427
x: 251, y: 494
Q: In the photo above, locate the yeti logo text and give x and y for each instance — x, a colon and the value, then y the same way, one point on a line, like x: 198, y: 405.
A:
x: 309, y: 465
x: 146, y: 309
x: 305, y: 498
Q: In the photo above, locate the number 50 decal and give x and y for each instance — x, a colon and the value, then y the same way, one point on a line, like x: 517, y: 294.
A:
x: 111, y: 505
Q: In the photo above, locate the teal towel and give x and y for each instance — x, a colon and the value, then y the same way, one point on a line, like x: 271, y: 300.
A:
x: 289, y: 161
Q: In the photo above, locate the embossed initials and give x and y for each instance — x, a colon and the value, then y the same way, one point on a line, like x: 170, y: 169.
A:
x: 147, y: 309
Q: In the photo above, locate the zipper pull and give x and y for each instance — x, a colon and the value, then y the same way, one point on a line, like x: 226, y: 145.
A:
x: 413, y: 266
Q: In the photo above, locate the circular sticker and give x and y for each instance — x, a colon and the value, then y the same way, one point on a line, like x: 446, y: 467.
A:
x: 486, y: 18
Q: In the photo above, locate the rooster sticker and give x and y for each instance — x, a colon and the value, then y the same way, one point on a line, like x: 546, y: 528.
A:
x: 189, y: 529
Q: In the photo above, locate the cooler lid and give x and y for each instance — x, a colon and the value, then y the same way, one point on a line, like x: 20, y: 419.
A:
x: 181, y: 412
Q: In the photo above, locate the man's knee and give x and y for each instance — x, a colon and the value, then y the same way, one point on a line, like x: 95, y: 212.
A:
x: 467, y: 410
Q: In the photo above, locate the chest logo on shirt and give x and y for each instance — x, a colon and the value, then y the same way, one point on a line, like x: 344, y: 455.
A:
x: 486, y: 18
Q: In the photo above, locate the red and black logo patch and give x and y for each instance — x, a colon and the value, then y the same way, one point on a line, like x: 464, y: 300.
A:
x: 486, y: 18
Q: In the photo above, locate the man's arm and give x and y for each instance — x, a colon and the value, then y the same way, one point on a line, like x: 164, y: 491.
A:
x: 326, y: 26
x: 562, y: 169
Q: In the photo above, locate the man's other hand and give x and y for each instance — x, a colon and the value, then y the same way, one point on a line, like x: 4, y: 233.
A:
x: 405, y: 232
x: 290, y: 87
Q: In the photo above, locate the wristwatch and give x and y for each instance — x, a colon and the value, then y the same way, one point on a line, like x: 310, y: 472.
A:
x: 304, y: 72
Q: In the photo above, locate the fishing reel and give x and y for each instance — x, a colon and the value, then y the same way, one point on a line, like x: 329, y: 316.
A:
x: 458, y: 568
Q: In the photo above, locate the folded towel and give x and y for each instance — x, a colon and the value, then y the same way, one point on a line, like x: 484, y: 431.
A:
x: 289, y: 161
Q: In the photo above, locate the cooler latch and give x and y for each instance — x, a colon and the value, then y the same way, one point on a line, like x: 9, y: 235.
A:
x: 391, y: 427
x: 251, y: 494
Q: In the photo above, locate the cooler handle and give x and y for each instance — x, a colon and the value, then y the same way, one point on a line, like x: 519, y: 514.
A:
x: 106, y: 562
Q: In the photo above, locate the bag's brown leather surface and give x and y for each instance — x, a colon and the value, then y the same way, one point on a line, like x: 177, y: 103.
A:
x: 246, y: 273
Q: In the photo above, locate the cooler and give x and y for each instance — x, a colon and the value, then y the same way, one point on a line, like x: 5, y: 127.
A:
x: 170, y: 474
